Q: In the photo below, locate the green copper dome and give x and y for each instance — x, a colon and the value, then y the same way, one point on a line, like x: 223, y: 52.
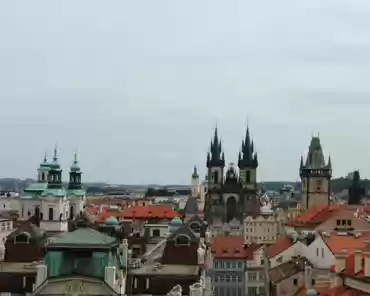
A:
x: 75, y: 167
x: 176, y: 221
x: 111, y: 221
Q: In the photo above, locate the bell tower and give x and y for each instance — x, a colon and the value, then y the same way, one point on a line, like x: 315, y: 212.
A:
x: 248, y: 163
x: 315, y: 175
x: 214, y: 209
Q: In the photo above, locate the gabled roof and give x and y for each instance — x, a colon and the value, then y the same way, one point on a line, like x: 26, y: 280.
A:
x: 337, y: 242
x: 146, y: 212
x: 83, y: 238
x: 279, y: 247
x: 232, y: 247
x: 191, y: 206
x: 184, y: 230
x: 314, y: 216
x: 287, y: 269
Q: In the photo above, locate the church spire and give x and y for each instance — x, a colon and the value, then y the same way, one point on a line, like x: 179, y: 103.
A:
x: 248, y: 158
x: 75, y: 174
x: 215, y: 156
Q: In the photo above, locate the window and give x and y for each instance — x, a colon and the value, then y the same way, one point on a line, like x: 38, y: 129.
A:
x: 322, y: 252
x: 248, y: 177
x: 240, y: 265
x: 156, y: 233
x: 23, y: 238
x: 182, y: 240
x: 280, y: 259
x: 221, y: 278
x: 349, y: 222
x: 313, y: 282
x: 227, y: 264
x: 233, y: 264
x: 195, y: 227
x: 338, y: 222
x: 239, y: 292
x: 51, y: 214
x: 295, y: 282
x: 317, y: 252
x: 252, y: 291
x: 252, y: 276
x: 262, y: 262
x: 343, y: 222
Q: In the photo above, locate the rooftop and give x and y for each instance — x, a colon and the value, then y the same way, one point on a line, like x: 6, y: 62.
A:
x: 83, y: 237
x: 163, y: 269
x: 287, y: 269
x: 18, y: 267
x: 337, y: 242
x: 232, y: 247
x: 279, y: 247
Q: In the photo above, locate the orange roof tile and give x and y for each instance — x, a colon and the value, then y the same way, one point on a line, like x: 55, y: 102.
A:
x: 337, y: 243
x: 231, y: 247
x: 147, y: 212
x: 315, y: 215
x: 279, y: 247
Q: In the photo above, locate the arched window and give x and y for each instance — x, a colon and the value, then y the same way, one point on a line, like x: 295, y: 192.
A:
x: 22, y: 238
x: 182, y: 240
x: 51, y: 214
x: 37, y: 212
x: 71, y: 212
x: 195, y: 227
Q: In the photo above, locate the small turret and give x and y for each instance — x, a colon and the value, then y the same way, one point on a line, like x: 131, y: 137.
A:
x: 215, y: 157
x: 247, y: 157
x: 55, y: 172
x: 75, y: 174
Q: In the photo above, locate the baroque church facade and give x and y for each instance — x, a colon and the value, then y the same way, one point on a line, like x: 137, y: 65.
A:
x: 47, y: 202
x: 231, y: 196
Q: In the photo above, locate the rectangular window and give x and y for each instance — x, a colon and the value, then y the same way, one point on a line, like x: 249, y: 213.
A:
x: 338, y: 222
x: 295, y: 282
x: 240, y: 265
x: 349, y: 222
x: 317, y: 252
x: 221, y: 278
x: 322, y: 252
x: 343, y: 222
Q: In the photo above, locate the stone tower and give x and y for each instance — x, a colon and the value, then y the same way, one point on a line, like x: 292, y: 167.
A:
x: 315, y: 175
x: 356, y: 190
x: 195, y: 183
x: 248, y: 163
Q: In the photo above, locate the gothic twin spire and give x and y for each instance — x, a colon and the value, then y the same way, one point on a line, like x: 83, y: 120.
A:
x: 247, y: 155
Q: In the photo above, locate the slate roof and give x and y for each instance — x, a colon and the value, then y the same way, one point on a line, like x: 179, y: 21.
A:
x: 287, y: 269
x: 185, y: 230
x: 83, y: 238
x: 191, y: 206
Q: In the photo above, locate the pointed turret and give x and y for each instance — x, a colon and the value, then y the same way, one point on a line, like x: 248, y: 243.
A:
x: 195, y: 174
x: 215, y: 157
x: 75, y: 174
x: 55, y: 172
x: 43, y: 170
x: 248, y: 158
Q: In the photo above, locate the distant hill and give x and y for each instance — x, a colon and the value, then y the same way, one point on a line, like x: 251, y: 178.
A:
x: 12, y: 184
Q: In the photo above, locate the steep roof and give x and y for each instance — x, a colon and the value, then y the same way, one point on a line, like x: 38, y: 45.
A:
x: 338, y: 242
x: 232, y: 247
x: 287, y: 269
x: 184, y: 230
x: 314, y: 216
x: 279, y: 247
x: 145, y: 212
x: 83, y: 238
x: 191, y: 206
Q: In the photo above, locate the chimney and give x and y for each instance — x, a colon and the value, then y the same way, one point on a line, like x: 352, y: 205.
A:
x: 367, y: 264
x: 358, y: 260
x: 340, y: 260
x: 124, y: 252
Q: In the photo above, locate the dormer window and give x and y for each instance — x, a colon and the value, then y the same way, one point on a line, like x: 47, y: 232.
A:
x: 182, y: 240
x: 195, y: 227
x: 22, y: 238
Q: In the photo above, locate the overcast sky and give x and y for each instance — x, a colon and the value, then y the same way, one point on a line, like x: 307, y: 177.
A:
x: 138, y: 86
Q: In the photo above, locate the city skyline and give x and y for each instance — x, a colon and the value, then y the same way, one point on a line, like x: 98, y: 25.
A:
x: 138, y: 91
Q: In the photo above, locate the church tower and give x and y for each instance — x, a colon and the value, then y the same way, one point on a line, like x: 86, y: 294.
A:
x: 55, y: 173
x: 214, y: 209
x: 195, y: 185
x: 315, y: 174
x: 76, y: 193
x: 43, y: 171
x: 248, y: 163
x: 75, y: 175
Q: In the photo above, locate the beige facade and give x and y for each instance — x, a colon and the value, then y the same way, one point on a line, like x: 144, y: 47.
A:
x: 315, y: 191
x: 289, y: 286
x: 264, y: 229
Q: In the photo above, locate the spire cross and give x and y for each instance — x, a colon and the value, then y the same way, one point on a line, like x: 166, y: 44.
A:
x: 55, y: 158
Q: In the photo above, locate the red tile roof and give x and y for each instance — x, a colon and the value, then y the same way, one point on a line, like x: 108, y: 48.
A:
x: 337, y: 242
x: 232, y: 247
x: 279, y: 247
x: 314, y: 216
x: 149, y: 212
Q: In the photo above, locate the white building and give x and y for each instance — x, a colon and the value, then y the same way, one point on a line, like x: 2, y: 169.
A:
x: 47, y: 203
